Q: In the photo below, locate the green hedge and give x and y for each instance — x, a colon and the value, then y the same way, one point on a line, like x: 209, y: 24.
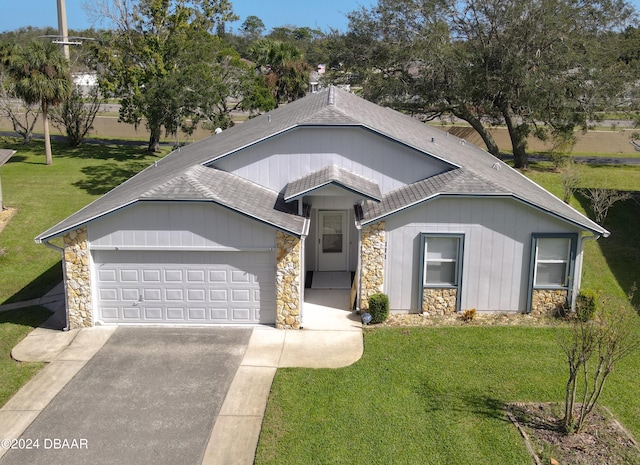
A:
x: 378, y: 308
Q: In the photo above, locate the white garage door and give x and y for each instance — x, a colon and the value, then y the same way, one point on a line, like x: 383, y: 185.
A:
x: 185, y: 287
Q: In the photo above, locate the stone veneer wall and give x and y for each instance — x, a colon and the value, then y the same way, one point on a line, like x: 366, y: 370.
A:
x: 373, y: 257
x: 548, y: 301
x: 439, y: 301
x: 78, y: 279
x: 288, y: 291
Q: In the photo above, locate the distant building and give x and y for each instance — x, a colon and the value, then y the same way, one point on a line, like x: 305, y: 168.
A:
x: 86, y: 81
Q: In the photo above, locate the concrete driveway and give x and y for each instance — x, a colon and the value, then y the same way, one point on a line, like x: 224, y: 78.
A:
x: 149, y: 396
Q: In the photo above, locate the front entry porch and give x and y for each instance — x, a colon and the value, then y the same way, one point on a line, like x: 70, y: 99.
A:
x: 328, y: 309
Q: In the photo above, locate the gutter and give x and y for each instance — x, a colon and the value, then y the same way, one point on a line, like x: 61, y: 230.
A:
x: 64, y: 281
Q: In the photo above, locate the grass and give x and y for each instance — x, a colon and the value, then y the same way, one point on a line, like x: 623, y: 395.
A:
x: 426, y: 395
x: 14, y: 326
x: 44, y: 195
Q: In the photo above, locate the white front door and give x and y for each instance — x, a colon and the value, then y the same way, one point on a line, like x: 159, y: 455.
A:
x: 332, y: 234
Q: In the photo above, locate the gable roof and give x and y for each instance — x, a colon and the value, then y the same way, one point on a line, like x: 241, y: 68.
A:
x: 333, y: 174
x: 200, y: 183
x: 473, y: 171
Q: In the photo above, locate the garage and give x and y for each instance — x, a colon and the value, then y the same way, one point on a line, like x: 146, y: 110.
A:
x: 184, y: 287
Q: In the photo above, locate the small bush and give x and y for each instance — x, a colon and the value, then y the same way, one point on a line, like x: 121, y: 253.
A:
x: 378, y: 307
x: 468, y: 315
x: 587, y: 304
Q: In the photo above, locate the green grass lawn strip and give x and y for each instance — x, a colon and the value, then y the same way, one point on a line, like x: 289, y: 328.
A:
x: 14, y: 326
x: 424, y: 395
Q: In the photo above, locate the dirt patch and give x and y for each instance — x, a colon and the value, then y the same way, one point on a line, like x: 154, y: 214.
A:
x: 5, y: 216
x: 602, y: 441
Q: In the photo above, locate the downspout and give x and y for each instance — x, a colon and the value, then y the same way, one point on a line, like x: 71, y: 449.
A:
x: 303, y: 267
x: 577, y: 282
x: 64, y: 281
x: 359, y: 268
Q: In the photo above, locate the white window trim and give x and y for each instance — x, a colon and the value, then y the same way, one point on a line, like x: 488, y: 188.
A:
x: 457, y: 271
x: 566, y: 262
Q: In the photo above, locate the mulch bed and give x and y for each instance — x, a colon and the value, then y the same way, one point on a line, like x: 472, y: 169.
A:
x: 5, y: 216
x: 481, y: 319
x: 603, y: 440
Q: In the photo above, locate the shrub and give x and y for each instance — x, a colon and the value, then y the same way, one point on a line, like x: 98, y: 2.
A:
x: 378, y: 307
x: 587, y: 304
x: 468, y: 315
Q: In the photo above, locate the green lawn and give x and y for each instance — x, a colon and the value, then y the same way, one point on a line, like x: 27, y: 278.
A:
x: 427, y: 396
x: 42, y: 196
x: 14, y: 326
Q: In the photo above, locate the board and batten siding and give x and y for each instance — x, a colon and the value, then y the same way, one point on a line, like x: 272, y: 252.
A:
x: 296, y: 153
x: 497, y: 246
x: 183, y: 225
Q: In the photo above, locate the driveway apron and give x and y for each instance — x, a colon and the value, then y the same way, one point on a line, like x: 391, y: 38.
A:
x: 149, y: 396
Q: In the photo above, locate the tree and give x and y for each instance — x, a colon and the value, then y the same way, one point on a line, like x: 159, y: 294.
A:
x: 40, y: 76
x: 252, y: 28
x: 76, y: 114
x: 285, y: 72
x: 540, y: 67
x: 23, y: 117
x: 602, y: 200
x: 165, y: 65
x: 593, y: 346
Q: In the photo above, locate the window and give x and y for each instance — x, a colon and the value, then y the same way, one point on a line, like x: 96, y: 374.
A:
x: 552, y: 260
x: 441, y: 260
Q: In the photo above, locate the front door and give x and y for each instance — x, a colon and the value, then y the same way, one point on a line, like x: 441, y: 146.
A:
x: 332, y: 247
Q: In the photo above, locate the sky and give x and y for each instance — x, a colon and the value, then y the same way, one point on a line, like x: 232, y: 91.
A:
x: 323, y: 15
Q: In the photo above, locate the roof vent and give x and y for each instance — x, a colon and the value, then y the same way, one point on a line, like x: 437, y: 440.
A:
x: 496, y: 166
x: 332, y: 97
x: 433, y: 139
x: 269, y: 118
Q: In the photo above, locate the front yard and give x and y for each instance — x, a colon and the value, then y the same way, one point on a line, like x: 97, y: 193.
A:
x: 419, y: 395
x: 428, y: 396
x: 436, y: 395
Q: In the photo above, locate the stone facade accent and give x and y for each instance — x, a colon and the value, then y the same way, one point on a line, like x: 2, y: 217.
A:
x: 288, y: 285
x: 548, y: 301
x: 373, y: 258
x: 439, y: 301
x: 78, y: 279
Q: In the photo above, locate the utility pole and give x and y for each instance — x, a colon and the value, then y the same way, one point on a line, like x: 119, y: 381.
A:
x: 62, y: 28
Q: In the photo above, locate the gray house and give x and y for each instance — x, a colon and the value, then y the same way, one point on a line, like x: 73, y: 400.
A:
x: 226, y: 230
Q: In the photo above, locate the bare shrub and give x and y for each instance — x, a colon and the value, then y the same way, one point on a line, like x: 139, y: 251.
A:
x: 602, y: 200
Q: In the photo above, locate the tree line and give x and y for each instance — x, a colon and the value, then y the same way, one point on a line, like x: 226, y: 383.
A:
x: 539, y: 67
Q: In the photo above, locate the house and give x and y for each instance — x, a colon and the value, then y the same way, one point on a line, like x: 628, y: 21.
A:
x: 226, y: 229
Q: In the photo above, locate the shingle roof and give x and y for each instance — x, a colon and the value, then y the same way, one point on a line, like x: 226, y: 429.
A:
x: 5, y: 155
x: 200, y: 183
x: 333, y: 174
x: 482, y: 174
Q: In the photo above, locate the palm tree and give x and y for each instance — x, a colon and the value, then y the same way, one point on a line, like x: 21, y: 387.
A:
x: 41, y: 76
x: 286, y: 74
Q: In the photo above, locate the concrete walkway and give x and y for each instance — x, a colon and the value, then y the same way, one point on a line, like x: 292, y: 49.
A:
x: 331, y: 338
